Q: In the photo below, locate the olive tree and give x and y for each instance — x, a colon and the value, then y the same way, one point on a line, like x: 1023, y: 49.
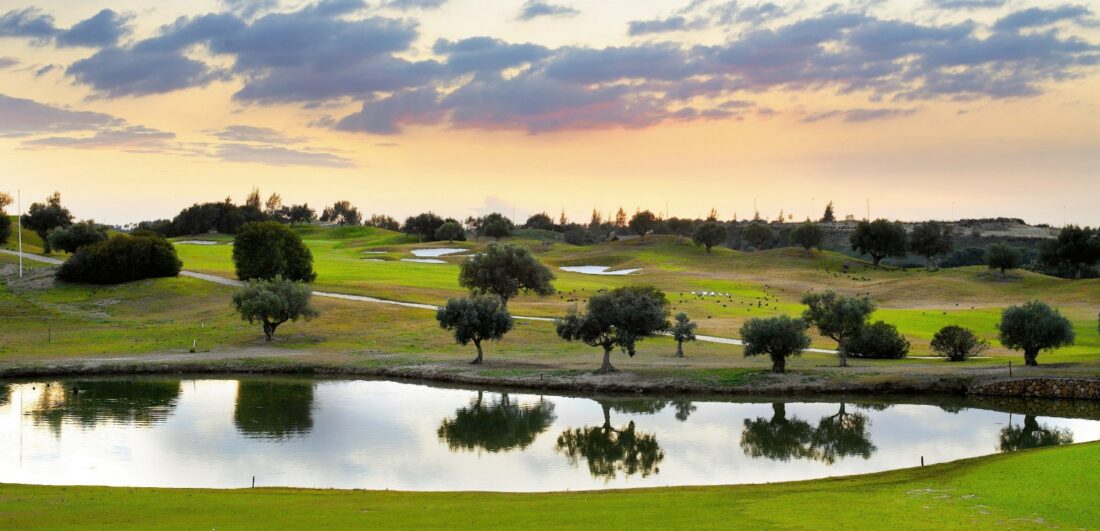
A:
x: 778, y: 337
x: 268, y: 249
x: 838, y: 318
x: 1003, y: 257
x: 505, y: 271
x: 758, y: 234
x: 683, y: 330
x: 44, y: 217
x: 273, y: 302
x: 77, y: 235
x: 642, y: 222
x: 496, y: 226
x: 709, y: 234
x: 931, y: 239
x: 450, y: 231
x: 1034, y: 327
x: 808, y: 236
x: 879, y: 239
x: 957, y: 343
x: 617, y: 318
x: 423, y: 226
x: 475, y: 319
x: 342, y: 213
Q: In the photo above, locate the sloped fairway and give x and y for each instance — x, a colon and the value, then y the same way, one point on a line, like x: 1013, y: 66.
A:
x: 1049, y: 488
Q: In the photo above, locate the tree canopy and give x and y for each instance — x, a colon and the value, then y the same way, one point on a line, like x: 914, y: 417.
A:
x: 44, y: 217
x: 496, y: 226
x: 683, y: 329
x: 879, y: 239
x: 759, y: 235
x: 957, y: 343
x: 498, y: 425
x: 267, y: 249
x: 642, y: 222
x: 450, y: 231
x: 837, y: 317
x: 121, y: 259
x: 829, y: 216
x: 778, y: 337
x: 1073, y: 254
x: 77, y: 235
x: 1033, y: 327
x: 808, y: 235
x: 1003, y: 257
x: 880, y: 340
x: 272, y: 302
x: 423, y: 226
x: 620, y: 317
x: 505, y: 270
x: 709, y: 234
x: 342, y: 213
x: 475, y: 319
x: 931, y: 239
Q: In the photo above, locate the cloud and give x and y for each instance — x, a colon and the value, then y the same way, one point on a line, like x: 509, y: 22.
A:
x: 248, y: 133
x: 29, y: 23
x: 279, y: 156
x: 533, y: 9
x: 8, y: 62
x: 859, y: 115
x: 659, y: 25
x: 134, y: 138
x: 1037, y: 16
x: 116, y: 72
x: 250, y: 8
x: 105, y: 28
x: 486, y: 54
x: 406, y: 5
x: 387, y: 116
x: 967, y: 4
x: 23, y: 117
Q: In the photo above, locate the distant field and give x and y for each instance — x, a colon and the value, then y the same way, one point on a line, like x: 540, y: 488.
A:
x: 919, y: 302
x: 1028, y: 490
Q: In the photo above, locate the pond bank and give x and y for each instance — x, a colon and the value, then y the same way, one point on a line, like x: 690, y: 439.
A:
x: 854, y: 381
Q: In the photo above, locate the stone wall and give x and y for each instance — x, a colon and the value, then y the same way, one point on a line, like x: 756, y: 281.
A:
x: 1040, y: 388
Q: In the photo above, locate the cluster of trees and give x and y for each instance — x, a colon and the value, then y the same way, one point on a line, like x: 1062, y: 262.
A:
x: 45, y: 217
x: 122, y: 258
x: 277, y: 267
x: 1073, y: 254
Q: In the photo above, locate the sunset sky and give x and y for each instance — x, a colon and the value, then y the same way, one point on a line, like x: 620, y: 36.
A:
x: 927, y: 108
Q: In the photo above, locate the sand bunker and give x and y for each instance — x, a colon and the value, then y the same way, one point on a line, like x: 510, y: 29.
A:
x: 598, y: 270
x: 431, y: 253
x: 197, y: 242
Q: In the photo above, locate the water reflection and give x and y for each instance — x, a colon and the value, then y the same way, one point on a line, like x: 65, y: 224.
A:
x: 500, y: 425
x: 274, y: 409
x: 1032, y: 435
x: 91, y: 402
x: 5, y: 394
x: 835, y: 436
x: 610, y: 451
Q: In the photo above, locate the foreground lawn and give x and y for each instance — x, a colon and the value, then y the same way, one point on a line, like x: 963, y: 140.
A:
x: 1033, y: 489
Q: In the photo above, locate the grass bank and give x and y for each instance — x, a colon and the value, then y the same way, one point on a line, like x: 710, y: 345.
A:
x: 1027, y: 490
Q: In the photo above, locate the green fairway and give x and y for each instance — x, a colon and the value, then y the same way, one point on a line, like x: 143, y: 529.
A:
x: 1028, y: 490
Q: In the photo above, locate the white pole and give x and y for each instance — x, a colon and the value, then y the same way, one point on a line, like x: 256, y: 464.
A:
x: 19, y: 211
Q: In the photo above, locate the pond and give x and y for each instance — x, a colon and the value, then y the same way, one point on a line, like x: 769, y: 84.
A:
x: 377, y: 434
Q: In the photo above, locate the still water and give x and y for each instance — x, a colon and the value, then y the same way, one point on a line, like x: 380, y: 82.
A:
x: 377, y: 434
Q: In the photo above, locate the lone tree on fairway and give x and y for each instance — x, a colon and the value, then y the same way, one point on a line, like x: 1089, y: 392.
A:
x: 683, y: 330
x: 931, y: 239
x: 505, y: 270
x: 1003, y: 257
x: 879, y: 239
x: 758, y: 234
x: 268, y: 249
x: 709, y: 234
x: 273, y: 302
x: 957, y: 343
x: 808, y: 236
x: 620, y: 317
x: 643, y: 222
x: 475, y: 319
x: 1033, y: 327
x: 778, y: 337
x: 44, y: 217
x: 496, y: 226
x: 450, y: 231
x: 838, y: 318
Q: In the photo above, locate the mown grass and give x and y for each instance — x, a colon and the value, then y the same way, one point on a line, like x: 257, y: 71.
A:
x: 1034, y: 489
x: 759, y: 283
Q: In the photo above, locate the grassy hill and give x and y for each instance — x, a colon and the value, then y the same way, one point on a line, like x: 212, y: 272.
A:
x: 32, y: 243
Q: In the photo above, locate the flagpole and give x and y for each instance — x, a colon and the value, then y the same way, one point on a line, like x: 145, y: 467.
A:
x: 19, y: 211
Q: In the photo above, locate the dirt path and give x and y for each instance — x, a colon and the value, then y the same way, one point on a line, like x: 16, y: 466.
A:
x: 373, y: 300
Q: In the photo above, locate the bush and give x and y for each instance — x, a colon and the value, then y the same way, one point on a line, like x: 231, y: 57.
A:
x: 957, y: 343
x: 879, y: 341
x: 575, y: 236
x: 267, y: 249
x: 77, y: 235
x: 122, y: 259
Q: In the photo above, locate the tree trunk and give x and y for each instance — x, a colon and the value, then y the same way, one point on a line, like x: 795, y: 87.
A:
x: 875, y: 260
x: 1030, y: 358
x: 842, y: 352
x: 477, y: 360
x: 779, y: 364
x: 679, y: 349
x: 1004, y: 276
x: 606, y: 367
x: 269, y: 330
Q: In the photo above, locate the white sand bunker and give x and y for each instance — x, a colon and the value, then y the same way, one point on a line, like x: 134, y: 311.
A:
x: 424, y: 260
x: 598, y: 270
x: 196, y: 242
x: 431, y: 253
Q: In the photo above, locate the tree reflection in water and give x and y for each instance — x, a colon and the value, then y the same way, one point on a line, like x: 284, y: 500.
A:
x: 611, y: 451
x: 91, y: 402
x: 835, y: 437
x: 274, y: 409
x: 497, y: 426
x: 1032, y: 435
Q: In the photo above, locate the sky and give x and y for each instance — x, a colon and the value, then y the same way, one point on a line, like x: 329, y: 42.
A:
x: 908, y: 109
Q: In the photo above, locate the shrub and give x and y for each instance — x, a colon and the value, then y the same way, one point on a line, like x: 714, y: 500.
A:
x: 77, y: 235
x: 267, y: 249
x: 957, y: 343
x: 879, y: 341
x: 122, y: 259
x: 778, y: 337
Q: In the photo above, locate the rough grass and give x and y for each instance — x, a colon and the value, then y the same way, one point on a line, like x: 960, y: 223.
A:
x: 1027, y: 490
